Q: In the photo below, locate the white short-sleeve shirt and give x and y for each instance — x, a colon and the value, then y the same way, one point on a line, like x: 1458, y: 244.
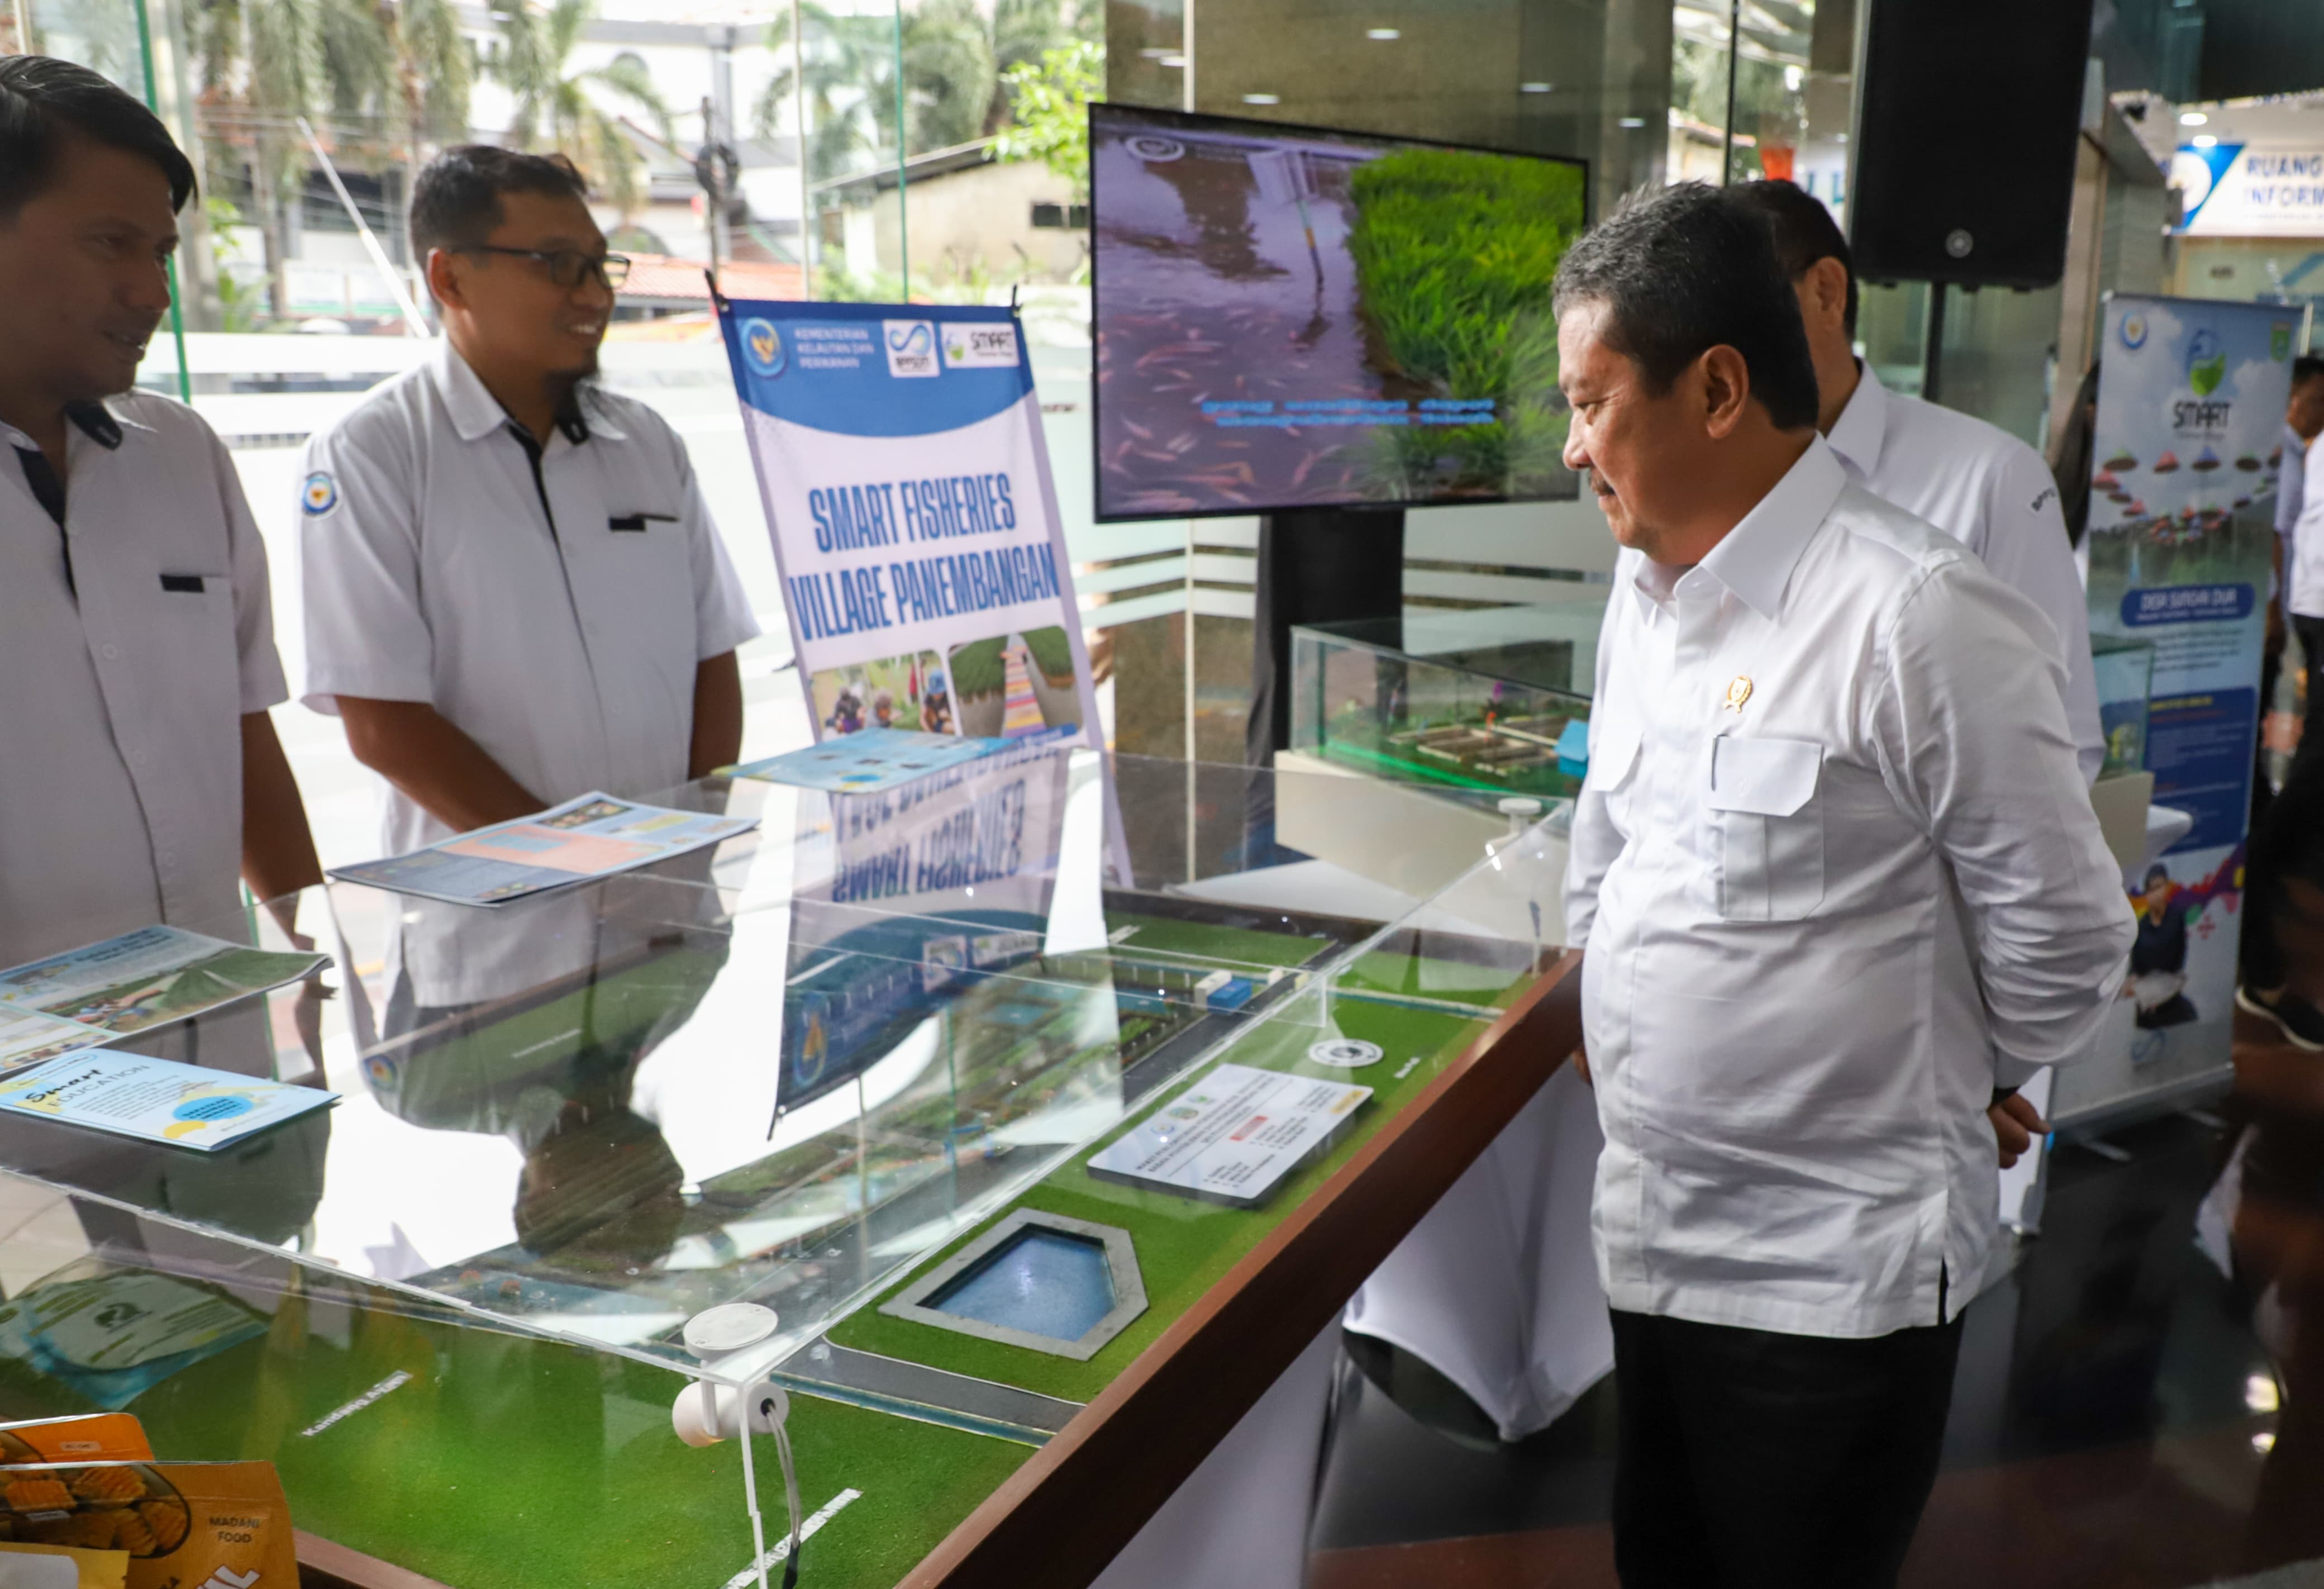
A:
x: 557, y: 619
x: 130, y: 664
x: 1994, y: 495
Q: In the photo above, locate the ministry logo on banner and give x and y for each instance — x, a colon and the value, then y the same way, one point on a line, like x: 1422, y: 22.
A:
x: 911, y: 348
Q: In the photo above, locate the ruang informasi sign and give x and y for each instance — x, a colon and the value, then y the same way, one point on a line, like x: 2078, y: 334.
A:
x: 2250, y: 189
x: 907, y: 488
x: 2191, y: 396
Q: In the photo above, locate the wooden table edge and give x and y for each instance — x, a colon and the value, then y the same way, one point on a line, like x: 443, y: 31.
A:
x: 1063, y: 1515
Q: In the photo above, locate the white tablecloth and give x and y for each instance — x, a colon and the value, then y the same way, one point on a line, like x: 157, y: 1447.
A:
x: 1495, y: 1288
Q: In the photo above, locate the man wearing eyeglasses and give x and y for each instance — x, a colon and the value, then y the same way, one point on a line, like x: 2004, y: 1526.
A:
x: 514, y: 592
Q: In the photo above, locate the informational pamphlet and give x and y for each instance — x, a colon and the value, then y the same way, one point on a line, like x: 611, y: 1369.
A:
x: 591, y: 835
x: 157, y: 1100
x: 1233, y: 1136
x: 146, y: 978
x: 872, y: 761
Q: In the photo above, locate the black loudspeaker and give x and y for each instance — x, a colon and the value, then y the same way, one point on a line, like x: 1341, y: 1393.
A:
x: 1965, y: 139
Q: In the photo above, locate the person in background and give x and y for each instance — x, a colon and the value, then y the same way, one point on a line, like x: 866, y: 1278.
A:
x: 2303, y: 417
x: 1838, y: 885
x: 143, y: 773
x: 514, y: 591
x: 1973, y: 481
x: 2282, y: 971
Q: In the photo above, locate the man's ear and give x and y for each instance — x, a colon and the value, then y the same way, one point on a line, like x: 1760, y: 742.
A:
x: 1726, y: 389
x: 444, y: 279
x: 1828, y: 290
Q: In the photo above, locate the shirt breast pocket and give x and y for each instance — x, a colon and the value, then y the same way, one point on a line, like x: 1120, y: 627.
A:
x: 1766, y: 827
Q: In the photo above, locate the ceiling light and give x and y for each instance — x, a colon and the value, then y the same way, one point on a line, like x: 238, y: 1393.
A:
x: 1262, y: 100
x: 1176, y: 62
x: 1383, y: 34
x: 2204, y: 141
x: 1634, y: 121
x: 1158, y: 52
x: 1839, y: 137
x: 1793, y: 78
x: 2192, y: 118
x: 1532, y: 88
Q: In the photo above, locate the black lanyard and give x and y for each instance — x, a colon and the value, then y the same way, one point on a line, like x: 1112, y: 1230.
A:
x: 49, y: 493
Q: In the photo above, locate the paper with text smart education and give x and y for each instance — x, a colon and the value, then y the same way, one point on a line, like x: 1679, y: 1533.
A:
x: 150, y: 977
x: 154, y: 1100
x: 589, y: 837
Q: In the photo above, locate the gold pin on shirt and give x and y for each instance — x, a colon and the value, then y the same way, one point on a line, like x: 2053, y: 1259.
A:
x: 1738, y: 690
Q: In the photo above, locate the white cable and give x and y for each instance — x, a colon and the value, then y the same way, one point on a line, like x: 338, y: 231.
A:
x: 751, y: 1493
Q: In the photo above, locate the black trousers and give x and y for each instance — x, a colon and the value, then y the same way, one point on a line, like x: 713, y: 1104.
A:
x: 2289, y: 840
x: 1753, y: 1460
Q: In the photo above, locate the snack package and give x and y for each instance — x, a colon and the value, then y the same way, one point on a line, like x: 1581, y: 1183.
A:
x: 61, y: 1566
x: 181, y: 1523
x: 89, y: 1436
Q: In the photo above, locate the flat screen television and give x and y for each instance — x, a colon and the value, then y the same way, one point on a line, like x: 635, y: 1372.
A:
x: 1291, y: 318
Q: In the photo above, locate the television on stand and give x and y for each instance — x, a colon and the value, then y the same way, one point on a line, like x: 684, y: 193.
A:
x: 1290, y: 317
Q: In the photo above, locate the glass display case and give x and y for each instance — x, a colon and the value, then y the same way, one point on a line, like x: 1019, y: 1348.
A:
x: 1484, y: 704
x: 906, y: 1069
x: 2125, y: 671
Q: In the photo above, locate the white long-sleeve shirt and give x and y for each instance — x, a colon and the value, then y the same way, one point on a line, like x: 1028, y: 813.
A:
x: 1994, y: 495
x: 1836, y: 870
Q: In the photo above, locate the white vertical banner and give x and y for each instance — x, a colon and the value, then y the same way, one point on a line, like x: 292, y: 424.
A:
x: 908, y: 489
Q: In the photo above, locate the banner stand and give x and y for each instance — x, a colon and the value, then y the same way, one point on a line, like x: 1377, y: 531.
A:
x: 2191, y: 396
x: 914, y: 515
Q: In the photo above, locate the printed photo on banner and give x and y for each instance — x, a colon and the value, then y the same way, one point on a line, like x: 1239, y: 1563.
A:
x: 890, y: 692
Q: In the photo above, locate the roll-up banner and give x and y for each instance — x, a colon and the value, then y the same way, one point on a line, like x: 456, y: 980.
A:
x: 2182, y: 539
x: 907, y: 488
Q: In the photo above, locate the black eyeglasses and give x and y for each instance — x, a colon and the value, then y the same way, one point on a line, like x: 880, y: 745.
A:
x: 567, y: 267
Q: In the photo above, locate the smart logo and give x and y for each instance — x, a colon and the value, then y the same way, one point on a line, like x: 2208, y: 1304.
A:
x: 911, y: 348
x: 2207, y: 362
x: 2134, y: 330
x: 972, y: 344
x: 763, y: 347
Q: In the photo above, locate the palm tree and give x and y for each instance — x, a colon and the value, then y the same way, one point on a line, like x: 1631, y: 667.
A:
x: 851, y: 94
x: 949, y: 75
x: 386, y: 80
x: 557, y: 109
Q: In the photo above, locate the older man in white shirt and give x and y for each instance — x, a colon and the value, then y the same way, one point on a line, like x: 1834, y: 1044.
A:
x: 1838, y: 885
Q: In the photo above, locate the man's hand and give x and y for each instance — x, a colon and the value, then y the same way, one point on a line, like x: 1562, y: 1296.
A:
x: 1581, y: 1067
x: 2015, y: 1124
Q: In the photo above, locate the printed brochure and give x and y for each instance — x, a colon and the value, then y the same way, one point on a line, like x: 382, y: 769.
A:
x: 872, y: 761
x: 592, y: 835
x: 141, y: 979
x: 154, y: 1100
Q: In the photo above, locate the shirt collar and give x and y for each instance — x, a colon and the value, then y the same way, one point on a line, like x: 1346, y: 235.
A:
x: 476, y: 414
x: 1755, y: 558
x: 1862, y: 428
x: 101, y: 422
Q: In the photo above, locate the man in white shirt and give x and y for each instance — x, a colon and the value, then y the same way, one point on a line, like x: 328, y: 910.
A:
x: 2286, y: 875
x: 514, y: 592
x: 141, y: 773
x: 1973, y: 481
x: 1838, y: 882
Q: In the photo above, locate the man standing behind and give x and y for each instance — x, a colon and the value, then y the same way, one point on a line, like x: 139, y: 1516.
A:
x: 2303, y: 417
x: 1973, y: 481
x: 1838, y: 881
x: 514, y: 591
x: 141, y: 772
x: 2287, y: 853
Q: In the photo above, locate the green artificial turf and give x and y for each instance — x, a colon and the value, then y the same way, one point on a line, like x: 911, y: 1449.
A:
x: 1184, y: 1246
x: 508, y: 1462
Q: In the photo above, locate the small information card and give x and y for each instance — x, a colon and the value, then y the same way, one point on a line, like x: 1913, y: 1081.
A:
x: 1233, y: 1135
